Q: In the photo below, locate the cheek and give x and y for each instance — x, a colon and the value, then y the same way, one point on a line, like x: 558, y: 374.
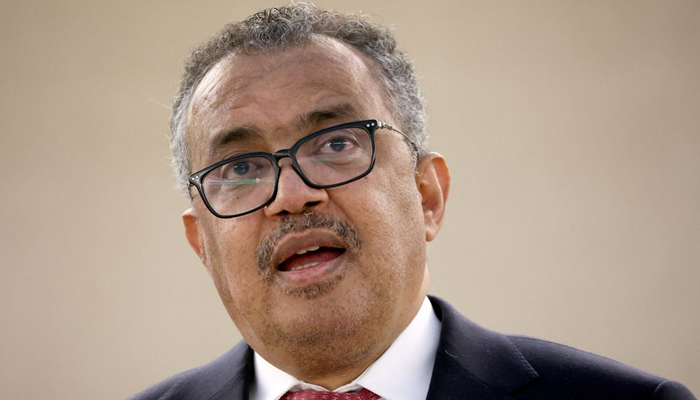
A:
x: 393, y: 213
x: 231, y: 255
x: 393, y: 192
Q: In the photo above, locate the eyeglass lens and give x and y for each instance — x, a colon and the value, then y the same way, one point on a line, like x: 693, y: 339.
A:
x: 326, y: 159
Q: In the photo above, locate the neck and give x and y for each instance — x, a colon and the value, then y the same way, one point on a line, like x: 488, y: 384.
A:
x: 334, y: 362
x: 336, y: 379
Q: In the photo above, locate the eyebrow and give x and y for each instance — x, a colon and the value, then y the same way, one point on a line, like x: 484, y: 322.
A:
x: 239, y: 134
x: 303, y: 122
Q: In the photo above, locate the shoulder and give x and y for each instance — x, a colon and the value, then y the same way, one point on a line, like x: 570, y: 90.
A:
x: 529, y: 368
x: 573, y: 370
x: 218, y: 379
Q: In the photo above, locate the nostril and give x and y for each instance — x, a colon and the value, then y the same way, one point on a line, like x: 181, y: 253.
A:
x: 312, y: 203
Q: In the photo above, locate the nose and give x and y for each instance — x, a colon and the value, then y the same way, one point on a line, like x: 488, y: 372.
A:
x: 293, y: 195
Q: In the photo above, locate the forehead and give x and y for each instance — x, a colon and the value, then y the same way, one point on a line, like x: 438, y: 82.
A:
x: 271, y: 93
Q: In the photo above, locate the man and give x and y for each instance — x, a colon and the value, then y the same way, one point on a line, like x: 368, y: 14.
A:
x: 300, y: 136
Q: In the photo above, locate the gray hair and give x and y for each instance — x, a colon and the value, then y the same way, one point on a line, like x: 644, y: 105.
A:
x: 294, y: 25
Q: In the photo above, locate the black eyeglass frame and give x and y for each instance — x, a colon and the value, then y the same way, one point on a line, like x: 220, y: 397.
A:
x: 370, y: 126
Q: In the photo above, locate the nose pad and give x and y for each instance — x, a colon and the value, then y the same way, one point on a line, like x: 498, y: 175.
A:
x: 293, y: 195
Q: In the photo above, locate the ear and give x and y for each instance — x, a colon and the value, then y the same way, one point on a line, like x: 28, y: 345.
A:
x: 433, y: 182
x: 195, y: 236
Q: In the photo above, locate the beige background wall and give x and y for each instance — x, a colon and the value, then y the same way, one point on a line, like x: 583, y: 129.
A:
x: 572, y: 129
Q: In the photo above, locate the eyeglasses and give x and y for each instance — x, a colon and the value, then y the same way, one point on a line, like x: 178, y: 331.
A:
x: 331, y: 157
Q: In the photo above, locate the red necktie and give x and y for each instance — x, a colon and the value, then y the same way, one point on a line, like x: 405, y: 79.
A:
x: 363, y: 394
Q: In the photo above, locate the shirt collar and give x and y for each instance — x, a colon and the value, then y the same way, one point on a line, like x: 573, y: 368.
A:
x: 402, y: 373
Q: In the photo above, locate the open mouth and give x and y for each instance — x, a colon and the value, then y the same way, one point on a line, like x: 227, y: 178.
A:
x: 309, y: 257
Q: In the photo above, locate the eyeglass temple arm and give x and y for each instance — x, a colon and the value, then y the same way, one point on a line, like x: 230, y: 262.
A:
x: 381, y: 125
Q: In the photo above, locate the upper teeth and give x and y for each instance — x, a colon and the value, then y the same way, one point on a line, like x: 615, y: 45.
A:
x: 298, y: 267
x: 304, y: 251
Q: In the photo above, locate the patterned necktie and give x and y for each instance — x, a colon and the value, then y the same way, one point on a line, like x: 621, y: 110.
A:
x: 363, y: 394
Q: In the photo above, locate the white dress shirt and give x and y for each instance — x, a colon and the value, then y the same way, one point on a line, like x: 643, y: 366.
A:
x: 402, y: 373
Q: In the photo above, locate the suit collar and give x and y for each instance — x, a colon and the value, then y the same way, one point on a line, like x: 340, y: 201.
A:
x: 473, y: 362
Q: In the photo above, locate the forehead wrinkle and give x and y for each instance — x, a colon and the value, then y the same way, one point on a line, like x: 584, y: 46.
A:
x: 333, y: 112
x: 214, y: 97
x: 208, y: 93
x: 222, y: 86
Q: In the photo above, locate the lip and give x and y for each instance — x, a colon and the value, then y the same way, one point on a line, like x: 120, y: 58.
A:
x: 325, y: 271
x: 295, y: 242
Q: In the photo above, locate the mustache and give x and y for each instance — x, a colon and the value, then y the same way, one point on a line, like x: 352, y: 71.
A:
x: 346, y: 231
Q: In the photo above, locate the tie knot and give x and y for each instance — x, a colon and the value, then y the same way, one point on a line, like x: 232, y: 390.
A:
x: 363, y: 394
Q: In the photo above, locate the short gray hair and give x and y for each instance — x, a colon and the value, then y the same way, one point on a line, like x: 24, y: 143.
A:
x: 281, y: 28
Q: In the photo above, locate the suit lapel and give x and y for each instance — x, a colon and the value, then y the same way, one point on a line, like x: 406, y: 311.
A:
x: 240, y: 361
x: 473, y: 362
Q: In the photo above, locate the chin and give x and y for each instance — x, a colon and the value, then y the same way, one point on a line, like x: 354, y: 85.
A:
x: 331, y: 316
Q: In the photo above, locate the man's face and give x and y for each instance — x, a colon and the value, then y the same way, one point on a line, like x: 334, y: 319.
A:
x: 365, y: 241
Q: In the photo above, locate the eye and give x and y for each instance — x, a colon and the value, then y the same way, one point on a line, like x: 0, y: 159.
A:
x: 242, y: 171
x: 240, y: 168
x: 338, y: 144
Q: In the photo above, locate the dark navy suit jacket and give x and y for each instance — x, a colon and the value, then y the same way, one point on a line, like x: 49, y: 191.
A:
x: 472, y: 363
